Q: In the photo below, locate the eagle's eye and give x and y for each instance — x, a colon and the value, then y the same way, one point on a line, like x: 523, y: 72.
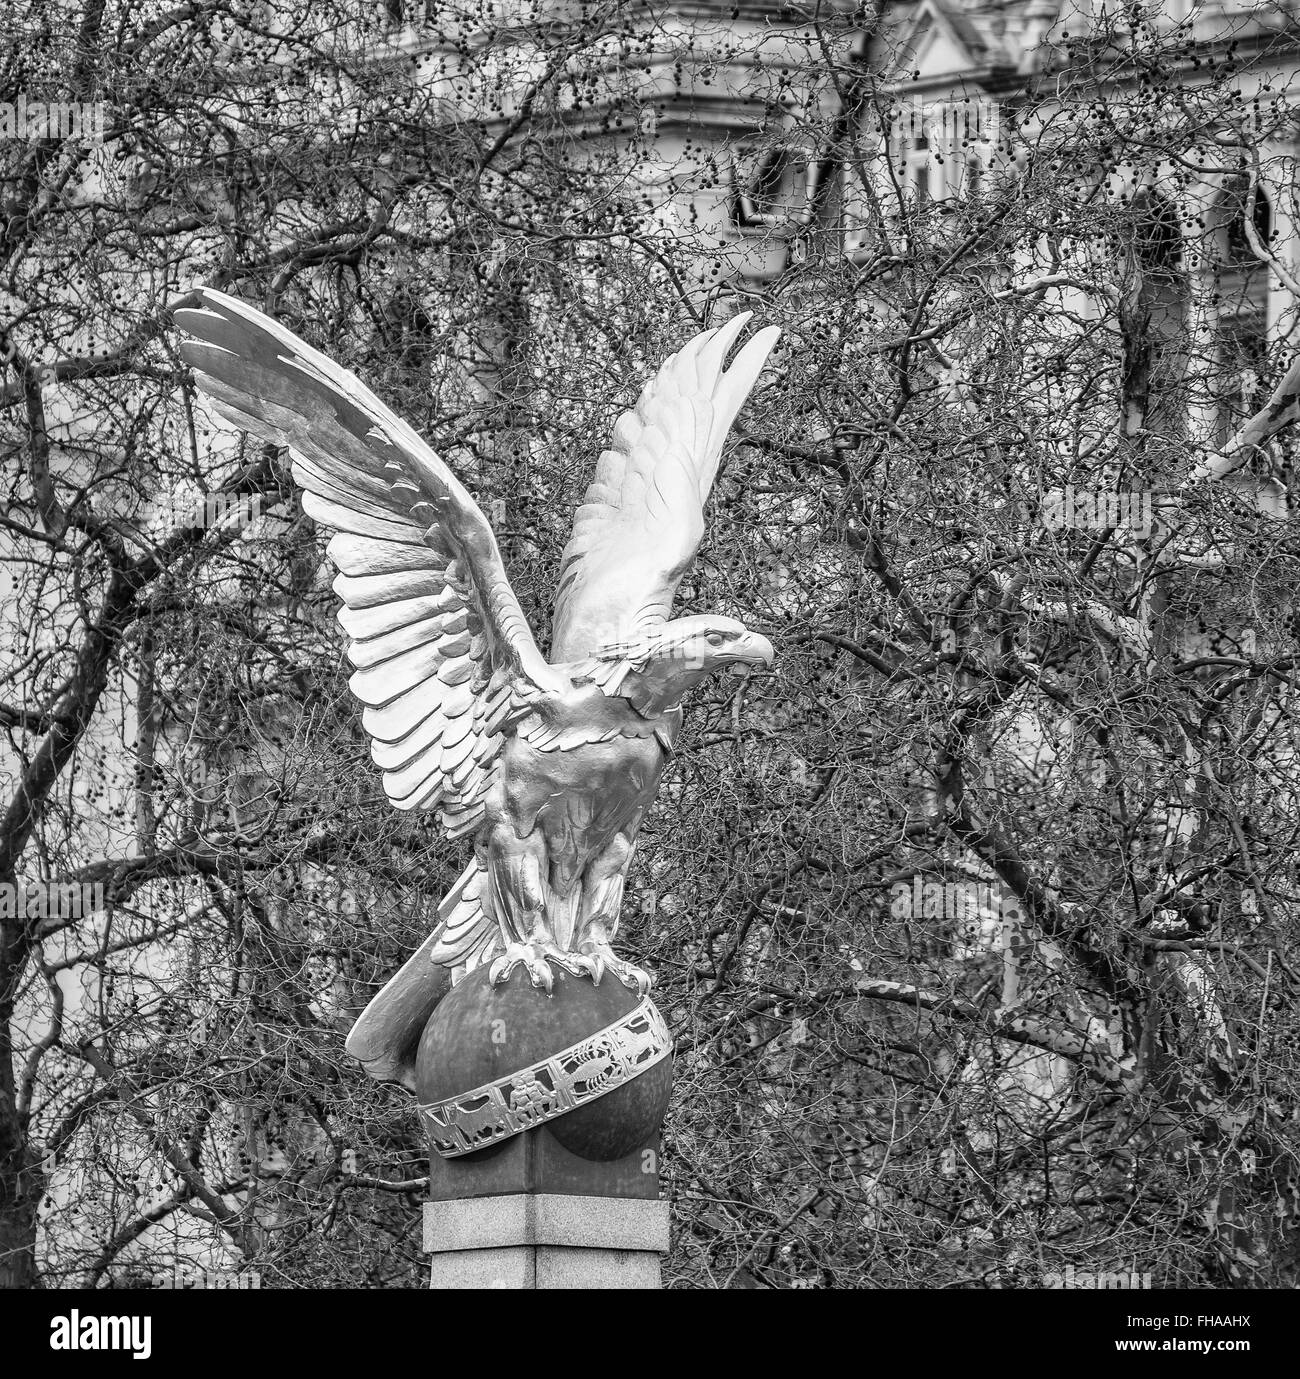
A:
x: 715, y: 639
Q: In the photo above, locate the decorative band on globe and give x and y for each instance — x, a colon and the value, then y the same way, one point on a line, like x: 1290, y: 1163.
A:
x: 601, y: 1063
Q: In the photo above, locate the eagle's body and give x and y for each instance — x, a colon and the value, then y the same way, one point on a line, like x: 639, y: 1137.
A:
x: 549, y: 765
x: 577, y: 797
x: 584, y: 794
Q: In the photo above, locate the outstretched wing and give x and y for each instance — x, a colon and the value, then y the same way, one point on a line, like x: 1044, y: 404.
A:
x: 440, y: 644
x: 643, y: 516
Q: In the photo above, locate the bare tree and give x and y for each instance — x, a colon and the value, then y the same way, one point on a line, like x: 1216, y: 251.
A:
x: 974, y: 922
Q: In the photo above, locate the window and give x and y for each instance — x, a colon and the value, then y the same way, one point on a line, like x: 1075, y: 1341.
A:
x: 1236, y: 206
x: 1243, y: 351
x: 1156, y: 333
x: 1240, y: 292
x: 761, y: 184
x: 919, y: 169
x: 1157, y: 240
x: 780, y: 188
x: 974, y: 175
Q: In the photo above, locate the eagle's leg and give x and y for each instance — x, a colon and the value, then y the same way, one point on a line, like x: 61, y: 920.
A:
x: 516, y: 867
x: 602, y: 898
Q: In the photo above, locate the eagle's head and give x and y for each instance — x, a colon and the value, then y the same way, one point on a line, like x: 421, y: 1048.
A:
x: 655, y: 668
x: 708, y: 643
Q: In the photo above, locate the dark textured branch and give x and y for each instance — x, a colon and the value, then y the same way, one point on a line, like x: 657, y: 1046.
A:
x: 127, y: 1095
x: 1017, y: 1027
x: 132, y: 1231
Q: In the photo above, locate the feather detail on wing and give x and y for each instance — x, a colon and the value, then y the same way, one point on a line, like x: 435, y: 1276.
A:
x: 643, y: 516
x: 442, y: 651
x: 463, y: 935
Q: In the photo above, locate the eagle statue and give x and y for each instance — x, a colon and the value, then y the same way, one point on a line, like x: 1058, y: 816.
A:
x: 550, y: 765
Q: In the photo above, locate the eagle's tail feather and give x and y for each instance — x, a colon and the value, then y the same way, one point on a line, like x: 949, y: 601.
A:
x: 465, y: 934
x: 387, y: 1036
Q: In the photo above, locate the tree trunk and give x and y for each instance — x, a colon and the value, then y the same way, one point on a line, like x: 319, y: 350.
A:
x: 20, y: 1178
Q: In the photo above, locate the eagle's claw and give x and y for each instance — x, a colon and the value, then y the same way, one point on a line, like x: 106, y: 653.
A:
x: 599, y: 958
x: 593, y: 964
x: 592, y: 958
x: 536, y: 959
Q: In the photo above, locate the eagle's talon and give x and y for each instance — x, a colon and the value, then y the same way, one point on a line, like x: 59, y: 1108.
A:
x: 590, y: 963
x: 591, y: 959
x: 603, y: 959
x: 532, y: 956
x: 537, y: 959
x: 637, y: 978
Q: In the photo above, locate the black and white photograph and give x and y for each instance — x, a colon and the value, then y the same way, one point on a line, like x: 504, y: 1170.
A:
x: 649, y: 646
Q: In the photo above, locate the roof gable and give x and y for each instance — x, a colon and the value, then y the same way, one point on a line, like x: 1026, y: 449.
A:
x: 940, y: 43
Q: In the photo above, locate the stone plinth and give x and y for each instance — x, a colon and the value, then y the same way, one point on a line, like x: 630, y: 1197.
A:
x: 537, y: 1163
x: 546, y: 1240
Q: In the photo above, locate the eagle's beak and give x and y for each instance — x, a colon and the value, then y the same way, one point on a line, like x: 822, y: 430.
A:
x: 755, y: 650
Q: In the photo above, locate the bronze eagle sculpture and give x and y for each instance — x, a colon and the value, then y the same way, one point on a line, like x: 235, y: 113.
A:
x: 550, y: 765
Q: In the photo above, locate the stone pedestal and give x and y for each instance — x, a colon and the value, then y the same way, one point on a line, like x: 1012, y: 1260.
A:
x: 543, y: 1111
x: 545, y: 1240
x: 536, y: 1162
